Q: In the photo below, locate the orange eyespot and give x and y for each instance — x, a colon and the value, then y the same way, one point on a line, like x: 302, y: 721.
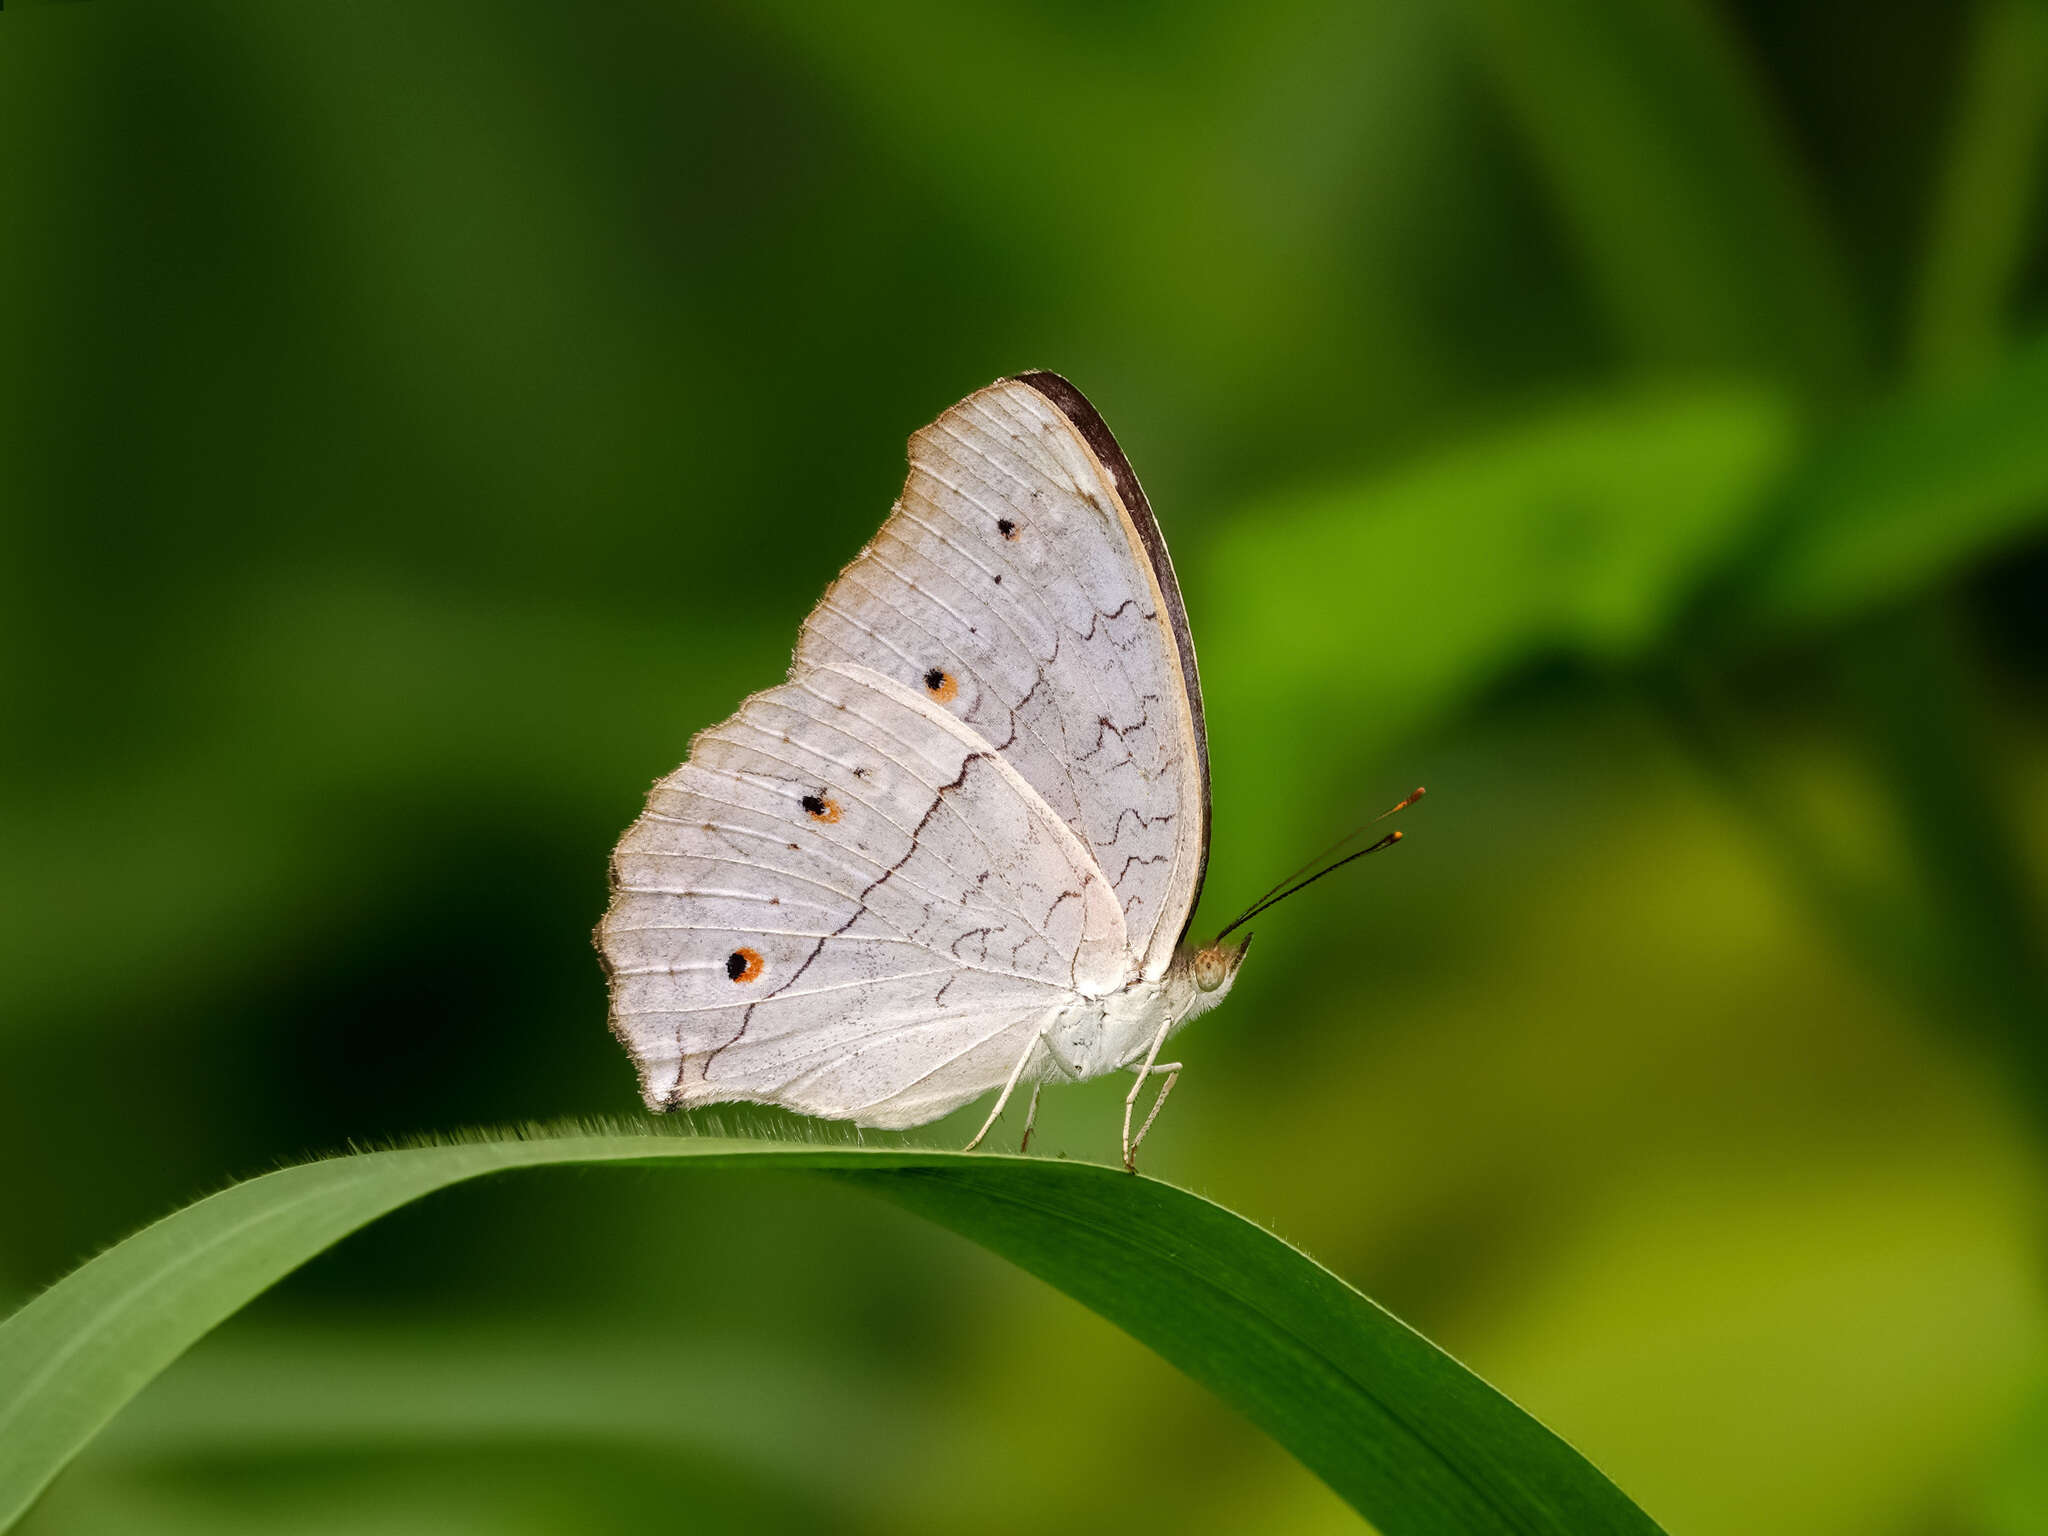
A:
x: 743, y: 965
x: 942, y: 686
x: 820, y: 807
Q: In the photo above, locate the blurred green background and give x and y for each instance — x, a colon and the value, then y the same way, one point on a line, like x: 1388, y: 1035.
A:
x: 1627, y: 417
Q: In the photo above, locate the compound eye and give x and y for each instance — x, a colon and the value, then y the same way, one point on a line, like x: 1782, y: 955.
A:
x: 1209, y: 970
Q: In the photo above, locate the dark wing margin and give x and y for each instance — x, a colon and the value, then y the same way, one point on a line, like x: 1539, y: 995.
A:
x: 1086, y: 420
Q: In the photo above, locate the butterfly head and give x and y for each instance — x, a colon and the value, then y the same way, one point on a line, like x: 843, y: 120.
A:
x: 1214, y: 966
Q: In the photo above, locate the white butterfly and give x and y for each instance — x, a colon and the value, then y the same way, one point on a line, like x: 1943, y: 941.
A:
x: 959, y: 848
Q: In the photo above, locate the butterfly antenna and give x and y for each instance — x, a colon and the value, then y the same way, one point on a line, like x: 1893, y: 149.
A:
x: 1274, y: 893
x: 1271, y: 901
x: 1317, y: 858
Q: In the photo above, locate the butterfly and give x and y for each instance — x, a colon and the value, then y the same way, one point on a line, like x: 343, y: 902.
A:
x: 959, y: 849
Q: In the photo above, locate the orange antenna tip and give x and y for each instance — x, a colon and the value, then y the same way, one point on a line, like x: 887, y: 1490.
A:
x: 1401, y: 805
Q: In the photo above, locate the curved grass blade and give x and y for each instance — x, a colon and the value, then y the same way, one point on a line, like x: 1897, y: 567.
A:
x: 1413, y: 1440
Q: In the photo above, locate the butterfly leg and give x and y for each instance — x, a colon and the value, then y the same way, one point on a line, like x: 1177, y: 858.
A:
x: 1172, y: 1071
x: 1030, y: 1118
x: 1004, y: 1097
x: 1138, y: 1087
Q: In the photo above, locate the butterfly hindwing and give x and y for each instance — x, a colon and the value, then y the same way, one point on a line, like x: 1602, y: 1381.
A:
x: 844, y: 901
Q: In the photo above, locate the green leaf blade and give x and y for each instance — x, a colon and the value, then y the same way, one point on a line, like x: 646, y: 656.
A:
x: 1361, y: 1399
x: 1416, y: 1442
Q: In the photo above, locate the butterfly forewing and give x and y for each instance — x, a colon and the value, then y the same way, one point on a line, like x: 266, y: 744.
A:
x: 1015, y: 590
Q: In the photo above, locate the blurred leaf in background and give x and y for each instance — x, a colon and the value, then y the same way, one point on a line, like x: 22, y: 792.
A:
x: 1623, y: 416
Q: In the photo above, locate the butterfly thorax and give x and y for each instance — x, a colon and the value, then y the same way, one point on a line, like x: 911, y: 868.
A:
x: 1099, y: 1035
